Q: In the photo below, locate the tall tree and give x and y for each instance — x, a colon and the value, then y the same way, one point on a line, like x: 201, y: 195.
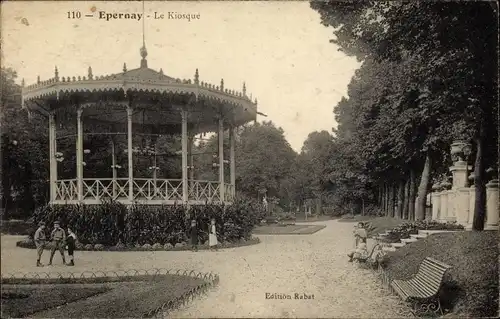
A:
x: 411, y: 113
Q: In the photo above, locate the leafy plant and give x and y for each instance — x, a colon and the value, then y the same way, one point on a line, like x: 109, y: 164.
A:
x: 112, y: 223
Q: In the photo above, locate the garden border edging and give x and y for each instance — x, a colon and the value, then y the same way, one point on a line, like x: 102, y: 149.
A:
x: 210, y: 280
x: 253, y: 241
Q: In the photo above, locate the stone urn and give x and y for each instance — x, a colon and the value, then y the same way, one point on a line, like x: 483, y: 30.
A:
x: 436, y: 187
x: 460, y: 152
x: 471, y: 178
x: 445, y: 185
x: 492, y: 173
x: 456, y: 150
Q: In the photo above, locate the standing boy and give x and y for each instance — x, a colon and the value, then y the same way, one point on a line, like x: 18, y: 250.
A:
x: 58, y: 238
x: 40, y: 241
x: 71, y: 242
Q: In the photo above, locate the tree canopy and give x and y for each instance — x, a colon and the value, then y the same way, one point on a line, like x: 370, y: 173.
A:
x: 428, y: 77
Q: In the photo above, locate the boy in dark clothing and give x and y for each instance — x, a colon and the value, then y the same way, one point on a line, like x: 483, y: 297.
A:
x: 194, y: 235
x: 71, y: 243
x: 58, y: 238
x: 40, y: 242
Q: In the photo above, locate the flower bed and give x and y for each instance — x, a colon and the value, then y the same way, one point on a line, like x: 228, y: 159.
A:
x: 282, y: 219
x: 404, y: 230
x: 114, y: 224
x: 128, y: 293
x: 29, y: 243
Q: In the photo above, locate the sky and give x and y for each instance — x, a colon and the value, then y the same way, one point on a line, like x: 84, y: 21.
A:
x: 279, y: 49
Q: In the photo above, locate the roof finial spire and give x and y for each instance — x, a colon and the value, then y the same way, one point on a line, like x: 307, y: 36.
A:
x: 196, y: 77
x: 90, y: 73
x: 144, y: 52
x: 56, y: 74
x: 244, y: 89
x: 222, y: 84
x: 124, y: 67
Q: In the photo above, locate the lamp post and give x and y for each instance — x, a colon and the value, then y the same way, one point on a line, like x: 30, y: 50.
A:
x: 85, y: 151
x: 60, y: 156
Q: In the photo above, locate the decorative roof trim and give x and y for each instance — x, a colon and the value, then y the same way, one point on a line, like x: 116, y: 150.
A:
x: 48, y: 88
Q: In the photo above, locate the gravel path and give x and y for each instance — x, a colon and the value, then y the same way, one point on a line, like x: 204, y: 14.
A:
x: 285, y: 265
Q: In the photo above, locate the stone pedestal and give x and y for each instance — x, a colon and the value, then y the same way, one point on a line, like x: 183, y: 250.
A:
x: 492, y: 211
x: 436, y: 205
x: 443, y: 211
x: 462, y: 206
x: 459, y: 171
x: 472, y: 196
x: 451, y: 198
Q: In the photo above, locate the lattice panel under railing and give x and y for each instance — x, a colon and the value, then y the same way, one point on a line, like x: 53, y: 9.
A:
x: 66, y: 189
x: 205, y: 191
x: 144, y: 189
x: 106, y: 188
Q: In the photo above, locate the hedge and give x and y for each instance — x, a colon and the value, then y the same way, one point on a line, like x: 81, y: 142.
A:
x: 113, y: 223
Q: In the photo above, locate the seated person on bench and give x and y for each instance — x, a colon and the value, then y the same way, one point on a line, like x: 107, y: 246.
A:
x: 361, y: 252
x: 360, y: 236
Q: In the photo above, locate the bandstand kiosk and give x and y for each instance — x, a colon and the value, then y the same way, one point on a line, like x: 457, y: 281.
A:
x: 161, y: 105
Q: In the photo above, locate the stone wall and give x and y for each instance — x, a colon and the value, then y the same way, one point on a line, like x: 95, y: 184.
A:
x: 457, y: 203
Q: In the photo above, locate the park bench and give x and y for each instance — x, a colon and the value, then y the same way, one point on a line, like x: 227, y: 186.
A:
x: 422, y: 289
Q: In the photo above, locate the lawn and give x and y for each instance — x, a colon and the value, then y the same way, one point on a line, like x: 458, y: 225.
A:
x: 355, y: 218
x: 472, y: 286
x: 379, y: 224
x: 22, y: 300
x: 314, y: 218
x: 131, y: 298
x: 287, y: 229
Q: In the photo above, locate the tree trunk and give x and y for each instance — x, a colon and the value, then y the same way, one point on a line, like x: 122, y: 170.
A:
x: 379, y: 196
x: 399, y: 203
x: 411, y: 195
x: 480, y: 200
x: 384, y: 197
x: 406, y: 199
x: 422, y: 189
x: 392, y: 192
x: 318, y: 205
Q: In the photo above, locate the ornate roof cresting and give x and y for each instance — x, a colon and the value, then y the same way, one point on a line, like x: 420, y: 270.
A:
x: 140, y: 80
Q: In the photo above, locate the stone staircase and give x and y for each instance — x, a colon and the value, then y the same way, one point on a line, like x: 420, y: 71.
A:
x: 413, y: 238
